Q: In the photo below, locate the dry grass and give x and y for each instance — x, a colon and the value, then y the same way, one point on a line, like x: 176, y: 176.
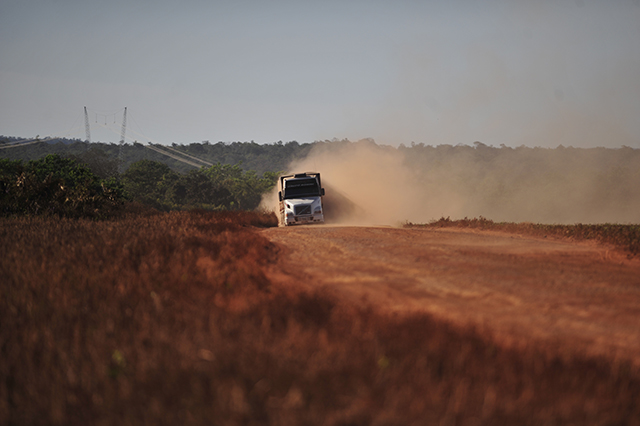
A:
x: 169, y: 319
x: 625, y: 237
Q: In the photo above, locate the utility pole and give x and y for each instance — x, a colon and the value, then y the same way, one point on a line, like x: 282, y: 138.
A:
x: 87, y: 129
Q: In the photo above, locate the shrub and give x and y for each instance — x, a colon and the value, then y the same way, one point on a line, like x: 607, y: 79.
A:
x: 57, y: 186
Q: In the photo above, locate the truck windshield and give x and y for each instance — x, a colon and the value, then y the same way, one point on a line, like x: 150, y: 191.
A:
x: 306, y: 187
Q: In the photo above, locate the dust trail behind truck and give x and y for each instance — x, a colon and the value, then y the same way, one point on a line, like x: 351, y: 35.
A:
x: 300, y: 196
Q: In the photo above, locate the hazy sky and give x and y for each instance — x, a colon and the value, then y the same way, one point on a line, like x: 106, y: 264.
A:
x: 539, y: 73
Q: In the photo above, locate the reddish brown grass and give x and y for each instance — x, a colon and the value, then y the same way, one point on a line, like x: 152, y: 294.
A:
x: 626, y: 237
x: 170, y: 319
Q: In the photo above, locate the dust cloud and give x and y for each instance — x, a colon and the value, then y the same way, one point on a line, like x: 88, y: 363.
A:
x: 370, y: 184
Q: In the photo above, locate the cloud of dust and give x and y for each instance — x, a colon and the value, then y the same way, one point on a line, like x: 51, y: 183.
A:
x: 370, y: 184
x: 365, y: 183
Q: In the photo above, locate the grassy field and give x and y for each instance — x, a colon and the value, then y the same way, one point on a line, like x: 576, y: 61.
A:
x: 170, y: 319
x: 625, y: 237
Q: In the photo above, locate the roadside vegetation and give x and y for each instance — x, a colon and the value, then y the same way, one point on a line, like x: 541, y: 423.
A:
x: 169, y: 318
x: 90, y: 187
x: 625, y: 237
x: 56, y: 186
x: 219, y: 187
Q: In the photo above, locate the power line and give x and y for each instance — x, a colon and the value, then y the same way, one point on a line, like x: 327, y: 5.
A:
x: 187, y: 155
x: 175, y: 157
x: 26, y: 142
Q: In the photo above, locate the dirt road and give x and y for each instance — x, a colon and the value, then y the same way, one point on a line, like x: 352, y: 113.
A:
x: 565, y: 296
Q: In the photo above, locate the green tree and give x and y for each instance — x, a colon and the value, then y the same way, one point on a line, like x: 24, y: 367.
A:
x: 196, y: 189
x: 221, y: 186
x: 148, y: 181
x: 56, y: 185
x: 246, y: 188
x: 99, y: 162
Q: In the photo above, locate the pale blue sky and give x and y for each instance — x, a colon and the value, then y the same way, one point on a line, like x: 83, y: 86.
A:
x: 539, y: 73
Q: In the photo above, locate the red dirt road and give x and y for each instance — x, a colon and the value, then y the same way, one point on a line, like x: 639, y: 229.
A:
x: 564, y: 296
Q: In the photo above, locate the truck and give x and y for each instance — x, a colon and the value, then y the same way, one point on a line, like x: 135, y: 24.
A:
x: 300, y: 197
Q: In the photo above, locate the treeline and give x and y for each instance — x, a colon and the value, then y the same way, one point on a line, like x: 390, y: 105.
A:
x: 59, y: 186
x: 69, y: 187
x: 249, y: 155
x: 278, y: 156
x: 219, y: 187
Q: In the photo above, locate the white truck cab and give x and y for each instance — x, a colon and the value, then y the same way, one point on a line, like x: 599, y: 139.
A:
x: 300, y: 197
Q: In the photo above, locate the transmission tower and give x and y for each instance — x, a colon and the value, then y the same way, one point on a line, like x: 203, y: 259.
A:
x: 87, y: 129
x: 124, y: 129
x: 124, y: 125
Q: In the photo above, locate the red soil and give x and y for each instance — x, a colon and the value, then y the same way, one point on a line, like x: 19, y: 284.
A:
x: 563, y: 297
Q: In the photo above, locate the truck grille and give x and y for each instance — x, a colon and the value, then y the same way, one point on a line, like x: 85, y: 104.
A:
x: 302, y: 210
